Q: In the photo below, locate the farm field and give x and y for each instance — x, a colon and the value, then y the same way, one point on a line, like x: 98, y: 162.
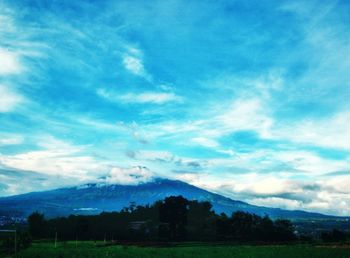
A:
x: 89, y: 249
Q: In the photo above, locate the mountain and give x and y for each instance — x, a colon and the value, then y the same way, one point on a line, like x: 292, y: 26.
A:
x: 95, y: 198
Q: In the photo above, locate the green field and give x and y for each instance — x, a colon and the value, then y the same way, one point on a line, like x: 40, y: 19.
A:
x: 88, y: 249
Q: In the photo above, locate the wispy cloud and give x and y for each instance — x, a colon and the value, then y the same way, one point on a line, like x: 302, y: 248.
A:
x: 140, y: 98
x: 55, y: 157
x: 133, y: 62
x: 207, y: 142
x: 10, y: 139
x: 9, y: 99
x: 328, y: 132
x: 134, y: 65
x: 9, y: 63
x: 150, y: 97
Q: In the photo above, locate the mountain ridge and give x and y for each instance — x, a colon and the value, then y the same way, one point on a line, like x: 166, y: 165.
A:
x: 94, y: 198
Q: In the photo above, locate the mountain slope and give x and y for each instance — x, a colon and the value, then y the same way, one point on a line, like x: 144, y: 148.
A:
x: 95, y: 198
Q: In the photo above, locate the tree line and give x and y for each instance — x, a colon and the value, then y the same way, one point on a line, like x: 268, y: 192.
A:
x: 172, y: 219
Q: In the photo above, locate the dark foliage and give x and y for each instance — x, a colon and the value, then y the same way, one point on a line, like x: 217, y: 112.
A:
x: 22, y: 238
x: 242, y: 226
x: 173, y: 219
x: 333, y: 236
x: 37, y: 225
x: 173, y: 216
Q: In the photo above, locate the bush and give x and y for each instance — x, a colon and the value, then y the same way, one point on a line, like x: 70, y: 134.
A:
x: 333, y: 236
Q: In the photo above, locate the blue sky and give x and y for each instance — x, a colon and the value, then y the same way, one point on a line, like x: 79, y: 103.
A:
x: 249, y: 99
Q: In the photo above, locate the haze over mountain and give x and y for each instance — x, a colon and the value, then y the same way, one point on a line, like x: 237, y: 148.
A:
x: 96, y: 198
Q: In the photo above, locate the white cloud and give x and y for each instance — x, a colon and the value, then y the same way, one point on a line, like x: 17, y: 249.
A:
x: 6, y: 20
x: 134, y: 65
x: 267, y: 185
x: 53, y: 163
x: 190, y: 178
x: 245, y: 114
x: 277, y: 202
x: 252, y: 114
x: 133, y: 62
x: 168, y: 157
x: 150, y: 97
x: 206, y: 142
x: 24, y: 181
x: 9, y: 99
x: 238, y: 115
x: 10, y: 139
x: 105, y: 94
x: 129, y: 176
x: 316, y: 195
x: 140, y: 98
x: 155, y: 155
x: 308, y: 162
x: 15, y: 44
x: 331, y: 132
x: 56, y: 157
x: 9, y: 62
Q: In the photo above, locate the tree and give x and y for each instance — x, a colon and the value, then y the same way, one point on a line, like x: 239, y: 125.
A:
x: 265, y: 229
x: 284, y: 230
x: 201, y: 221
x: 37, y: 225
x: 242, y: 225
x: 223, y: 227
x: 333, y: 236
x: 173, y: 211
x: 174, y: 219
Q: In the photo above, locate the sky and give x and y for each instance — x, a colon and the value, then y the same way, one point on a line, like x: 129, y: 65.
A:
x: 249, y: 99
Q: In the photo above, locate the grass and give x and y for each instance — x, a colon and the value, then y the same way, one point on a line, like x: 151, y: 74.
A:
x: 89, y: 250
